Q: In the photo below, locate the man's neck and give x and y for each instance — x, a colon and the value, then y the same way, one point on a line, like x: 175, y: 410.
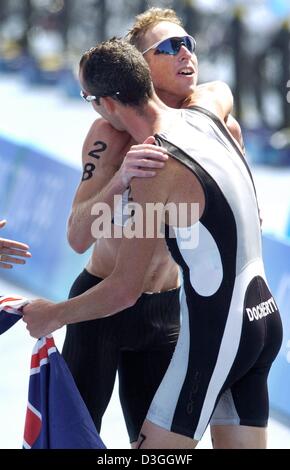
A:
x: 153, y: 117
x: 171, y: 100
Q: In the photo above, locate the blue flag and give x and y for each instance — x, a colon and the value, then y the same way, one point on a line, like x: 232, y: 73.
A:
x: 10, y: 311
x: 56, y: 417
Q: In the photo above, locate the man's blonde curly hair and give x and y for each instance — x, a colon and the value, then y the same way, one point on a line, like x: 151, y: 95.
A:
x: 146, y: 20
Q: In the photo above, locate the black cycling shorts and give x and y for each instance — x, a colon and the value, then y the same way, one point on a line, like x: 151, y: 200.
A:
x: 137, y: 342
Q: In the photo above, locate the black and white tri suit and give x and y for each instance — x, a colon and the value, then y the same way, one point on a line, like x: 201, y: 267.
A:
x: 231, y: 330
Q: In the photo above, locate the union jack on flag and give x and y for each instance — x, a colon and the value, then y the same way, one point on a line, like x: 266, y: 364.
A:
x: 56, y: 417
x: 10, y: 311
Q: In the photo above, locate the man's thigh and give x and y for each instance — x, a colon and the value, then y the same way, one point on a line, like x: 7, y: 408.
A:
x: 140, y: 374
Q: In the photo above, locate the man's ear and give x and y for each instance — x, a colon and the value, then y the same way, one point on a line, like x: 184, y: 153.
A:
x: 108, y: 103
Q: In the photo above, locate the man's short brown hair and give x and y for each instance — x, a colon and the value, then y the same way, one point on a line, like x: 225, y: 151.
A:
x: 146, y: 20
x: 117, y: 69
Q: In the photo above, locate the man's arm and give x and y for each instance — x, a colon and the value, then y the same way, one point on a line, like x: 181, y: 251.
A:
x: 235, y: 129
x: 105, y: 175
x: 224, y: 101
x: 119, y: 290
x: 218, y: 98
x: 101, y: 158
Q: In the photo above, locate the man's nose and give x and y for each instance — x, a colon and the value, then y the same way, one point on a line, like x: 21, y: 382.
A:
x: 184, y: 53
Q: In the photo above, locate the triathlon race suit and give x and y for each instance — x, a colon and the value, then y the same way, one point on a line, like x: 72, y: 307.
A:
x: 138, y: 342
x: 230, y: 324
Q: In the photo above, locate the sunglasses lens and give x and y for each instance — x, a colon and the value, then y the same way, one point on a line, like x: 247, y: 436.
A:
x: 165, y: 47
x: 172, y: 46
x: 190, y: 44
x: 176, y: 44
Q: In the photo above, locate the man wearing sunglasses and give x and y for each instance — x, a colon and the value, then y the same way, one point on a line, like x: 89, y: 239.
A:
x: 171, y: 46
x: 231, y: 329
x: 140, y: 341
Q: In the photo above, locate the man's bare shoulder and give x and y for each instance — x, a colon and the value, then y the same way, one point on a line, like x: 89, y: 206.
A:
x: 101, y: 127
x: 215, y: 96
x: 154, y: 189
x: 109, y: 140
x: 214, y: 86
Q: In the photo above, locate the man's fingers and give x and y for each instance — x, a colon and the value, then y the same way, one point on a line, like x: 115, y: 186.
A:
x: 148, y: 154
x: 140, y: 159
x: 5, y: 265
x: 13, y: 244
x: 11, y: 259
x: 144, y: 163
x: 143, y: 173
x: 15, y: 252
x: 147, y: 147
x: 10, y: 249
x: 149, y: 140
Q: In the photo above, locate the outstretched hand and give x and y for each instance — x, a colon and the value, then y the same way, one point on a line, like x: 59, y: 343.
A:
x: 12, y: 252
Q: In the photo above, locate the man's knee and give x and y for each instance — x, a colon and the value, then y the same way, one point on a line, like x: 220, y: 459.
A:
x: 238, y: 437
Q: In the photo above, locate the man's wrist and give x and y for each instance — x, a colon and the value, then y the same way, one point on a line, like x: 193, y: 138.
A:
x: 62, y: 317
x: 118, y: 182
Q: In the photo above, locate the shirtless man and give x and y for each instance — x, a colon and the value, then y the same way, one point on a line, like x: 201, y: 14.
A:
x: 231, y: 329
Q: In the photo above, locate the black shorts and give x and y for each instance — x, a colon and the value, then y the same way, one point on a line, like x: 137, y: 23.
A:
x: 138, y: 342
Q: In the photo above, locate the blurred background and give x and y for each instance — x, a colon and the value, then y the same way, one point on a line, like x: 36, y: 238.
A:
x: 245, y: 43
x: 43, y: 123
